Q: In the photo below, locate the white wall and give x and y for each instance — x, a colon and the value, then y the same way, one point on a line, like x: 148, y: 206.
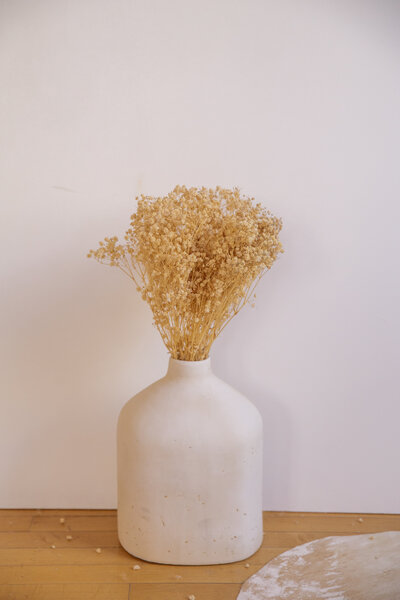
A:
x: 297, y: 102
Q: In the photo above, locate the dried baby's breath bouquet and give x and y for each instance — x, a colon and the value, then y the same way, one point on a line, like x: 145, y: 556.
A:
x: 195, y: 256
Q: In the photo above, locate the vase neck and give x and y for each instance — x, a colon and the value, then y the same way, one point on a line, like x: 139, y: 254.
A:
x: 188, y: 368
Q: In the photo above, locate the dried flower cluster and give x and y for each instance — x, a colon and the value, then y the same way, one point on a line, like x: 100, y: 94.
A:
x: 195, y: 256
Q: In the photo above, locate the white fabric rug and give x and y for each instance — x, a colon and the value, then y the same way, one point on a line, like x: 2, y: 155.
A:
x: 355, y: 567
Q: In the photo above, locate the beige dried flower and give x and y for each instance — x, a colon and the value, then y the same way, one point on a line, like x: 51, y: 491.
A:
x: 196, y: 256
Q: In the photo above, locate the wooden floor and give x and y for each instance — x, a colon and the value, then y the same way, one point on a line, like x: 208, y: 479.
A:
x: 39, y: 562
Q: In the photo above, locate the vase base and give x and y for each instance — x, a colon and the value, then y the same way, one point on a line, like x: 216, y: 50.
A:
x: 208, y: 559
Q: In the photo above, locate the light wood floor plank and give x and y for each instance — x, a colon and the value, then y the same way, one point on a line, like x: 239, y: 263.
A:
x: 149, y: 572
x: 65, y: 591
x: 170, y: 591
x: 108, y: 556
x: 331, y: 523
x: 72, y: 523
x: 45, y: 539
x: 64, y: 556
x: 15, y: 523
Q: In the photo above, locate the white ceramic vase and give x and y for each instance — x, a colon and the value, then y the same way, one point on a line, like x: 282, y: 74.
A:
x: 190, y: 470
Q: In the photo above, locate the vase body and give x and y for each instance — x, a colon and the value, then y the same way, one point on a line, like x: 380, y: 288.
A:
x: 190, y: 470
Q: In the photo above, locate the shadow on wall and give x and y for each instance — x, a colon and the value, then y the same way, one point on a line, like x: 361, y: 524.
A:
x: 278, y: 434
x: 72, y: 339
x: 277, y: 448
